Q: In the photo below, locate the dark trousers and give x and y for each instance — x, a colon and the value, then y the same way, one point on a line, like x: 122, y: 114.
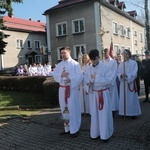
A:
x: 146, y: 84
x: 138, y: 85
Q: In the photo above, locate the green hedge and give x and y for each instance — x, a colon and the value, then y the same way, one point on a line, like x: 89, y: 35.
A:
x: 50, y: 88
x: 45, y: 85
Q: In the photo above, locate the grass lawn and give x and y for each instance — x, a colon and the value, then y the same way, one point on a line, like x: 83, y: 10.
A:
x: 11, y: 102
x: 18, y: 113
x: 11, y: 98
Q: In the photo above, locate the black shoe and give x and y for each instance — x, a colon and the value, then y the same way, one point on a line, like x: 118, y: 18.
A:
x: 64, y: 133
x: 75, y: 134
x: 146, y: 100
x: 133, y: 117
x: 105, y: 141
x: 95, y: 138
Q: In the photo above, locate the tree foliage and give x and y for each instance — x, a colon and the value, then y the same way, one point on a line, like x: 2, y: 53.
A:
x: 5, y: 7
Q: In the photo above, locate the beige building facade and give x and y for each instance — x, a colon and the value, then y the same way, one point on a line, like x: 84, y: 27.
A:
x: 25, y: 43
x: 125, y: 31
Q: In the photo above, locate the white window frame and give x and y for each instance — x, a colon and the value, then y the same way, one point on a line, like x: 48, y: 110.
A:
x: 122, y: 47
x: 38, y: 60
x: 122, y: 33
x: 79, y: 26
x: 135, y: 33
x: 128, y: 32
x: 136, y: 51
x: 29, y: 40
x: 61, y: 24
x: 39, y: 45
x: 141, y: 37
x: 135, y: 42
x: 115, y: 28
x: 19, y: 44
x: 75, y: 52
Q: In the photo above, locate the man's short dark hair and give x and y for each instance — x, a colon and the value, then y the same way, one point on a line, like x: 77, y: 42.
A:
x: 93, y: 54
x: 128, y: 52
x: 106, y: 50
x: 65, y: 48
x: 147, y: 52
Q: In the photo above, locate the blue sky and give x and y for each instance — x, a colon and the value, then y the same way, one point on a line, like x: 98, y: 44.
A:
x: 33, y: 9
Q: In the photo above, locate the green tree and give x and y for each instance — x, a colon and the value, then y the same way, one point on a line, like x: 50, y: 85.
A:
x: 5, y: 7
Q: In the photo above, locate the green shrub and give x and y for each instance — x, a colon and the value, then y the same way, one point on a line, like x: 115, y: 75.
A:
x: 44, y: 85
x: 50, y: 88
x: 22, y: 83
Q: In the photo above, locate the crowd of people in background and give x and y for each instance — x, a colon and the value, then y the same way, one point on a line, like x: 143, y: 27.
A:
x: 34, y: 70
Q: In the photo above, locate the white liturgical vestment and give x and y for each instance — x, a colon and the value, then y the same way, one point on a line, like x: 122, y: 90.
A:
x: 73, y: 102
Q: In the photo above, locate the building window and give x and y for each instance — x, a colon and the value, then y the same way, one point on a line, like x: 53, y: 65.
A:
x: 61, y: 29
x: 141, y: 37
x: 116, y: 50
x: 78, y: 26
x: 19, y: 43
x: 128, y: 32
x: 77, y: 49
x: 122, y: 48
x: 122, y: 30
x: 136, y: 51
x: 135, y: 42
x: 115, y: 28
x: 38, y: 59
x: 29, y: 44
x: 37, y: 44
x: 135, y: 33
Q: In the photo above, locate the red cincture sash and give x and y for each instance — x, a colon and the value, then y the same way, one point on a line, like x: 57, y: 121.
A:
x: 67, y: 91
x: 100, y: 95
x: 134, y: 87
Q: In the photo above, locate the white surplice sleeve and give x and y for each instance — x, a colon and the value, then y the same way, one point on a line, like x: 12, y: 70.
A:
x: 87, y: 79
x: 132, y: 74
x: 57, y: 73
x: 77, y: 77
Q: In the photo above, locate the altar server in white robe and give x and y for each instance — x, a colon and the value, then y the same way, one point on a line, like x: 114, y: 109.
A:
x: 112, y: 64
x: 85, y: 103
x: 48, y: 69
x: 98, y: 78
x: 127, y: 74
x: 69, y: 75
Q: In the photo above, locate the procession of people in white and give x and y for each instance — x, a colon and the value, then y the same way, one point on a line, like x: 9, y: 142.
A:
x: 34, y: 70
x: 92, y: 89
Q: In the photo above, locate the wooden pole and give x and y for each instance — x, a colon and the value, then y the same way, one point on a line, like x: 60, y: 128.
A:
x: 124, y: 82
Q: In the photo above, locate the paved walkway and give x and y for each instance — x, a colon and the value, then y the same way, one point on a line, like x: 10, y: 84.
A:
x: 41, y: 132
